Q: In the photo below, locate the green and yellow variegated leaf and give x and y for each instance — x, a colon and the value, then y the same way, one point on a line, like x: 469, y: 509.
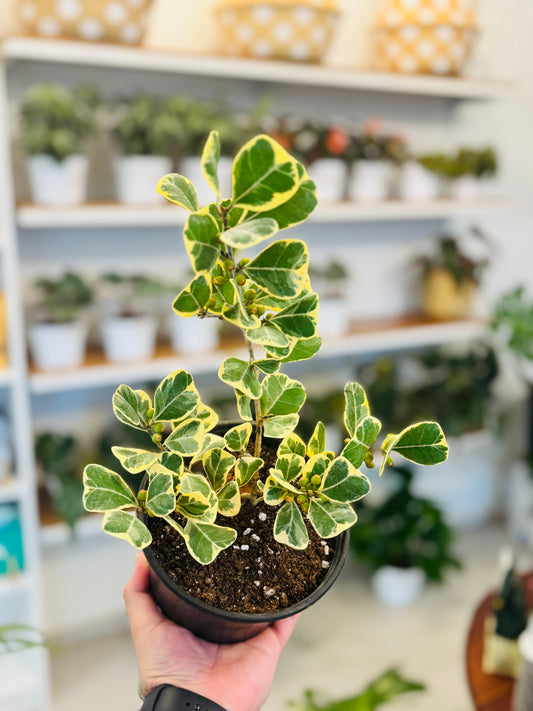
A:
x: 365, y: 435
x: 224, y: 294
x: 194, y: 506
x: 240, y: 375
x: 267, y: 335
x: 217, y: 465
x: 134, y: 460
x: 264, y: 175
x: 246, y: 467
x: 187, y: 438
x: 273, y: 492
x: 179, y: 190
x: 201, y: 241
x: 423, y: 443
x: 229, y: 499
x: 205, y: 540
x: 169, y: 464
x: 161, y: 497
x: 238, y: 316
x: 207, y: 416
x: 237, y: 438
x: 209, y: 161
x: 330, y: 518
x: 243, y: 406
x: 267, y: 365
x: 317, y: 441
x: 355, y: 453
x: 292, y: 444
x: 175, y: 397
x: 298, y: 208
x: 342, y: 482
x: 195, y: 484
x: 278, y: 353
x: 299, y: 318
x: 280, y: 425
x: 290, y: 466
x: 316, y: 465
x: 303, y: 349
x: 127, y: 527
x: 105, y: 490
x: 280, y: 395
x: 289, y: 527
x: 211, y: 441
x: 250, y: 233
x: 131, y: 406
x: 356, y: 407
x: 281, y: 268
x: 193, y: 299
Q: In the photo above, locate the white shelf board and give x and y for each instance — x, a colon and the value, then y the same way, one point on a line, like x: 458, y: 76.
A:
x: 34, y: 217
x: 266, y: 71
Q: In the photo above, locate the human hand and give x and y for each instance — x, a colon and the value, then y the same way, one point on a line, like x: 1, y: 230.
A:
x: 236, y: 676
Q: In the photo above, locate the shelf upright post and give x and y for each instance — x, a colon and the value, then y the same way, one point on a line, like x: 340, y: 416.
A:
x: 20, y: 414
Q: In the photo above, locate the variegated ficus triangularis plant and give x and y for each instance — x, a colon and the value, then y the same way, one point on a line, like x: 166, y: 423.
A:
x: 204, y: 477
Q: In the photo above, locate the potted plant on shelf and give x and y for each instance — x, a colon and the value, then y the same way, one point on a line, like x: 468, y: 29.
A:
x: 332, y: 285
x: 58, y: 331
x: 421, y: 177
x: 234, y: 519
x: 55, y: 123
x: 129, y: 323
x: 147, y: 132
x: 469, y: 170
x: 405, y: 542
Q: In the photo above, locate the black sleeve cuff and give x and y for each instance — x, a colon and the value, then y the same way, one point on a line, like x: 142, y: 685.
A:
x: 171, y: 698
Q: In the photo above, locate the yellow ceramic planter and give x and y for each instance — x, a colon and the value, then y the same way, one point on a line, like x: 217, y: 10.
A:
x: 296, y: 30
x: 425, y: 36
x: 443, y: 299
x: 119, y: 21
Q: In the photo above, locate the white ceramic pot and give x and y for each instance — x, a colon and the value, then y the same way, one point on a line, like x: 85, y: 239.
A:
x: 398, y: 587
x: 417, y: 183
x: 55, y: 346
x: 465, y: 486
x: 191, y: 168
x: 55, y: 182
x: 468, y: 187
x: 330, y: 176
x: 136, y: 178
x: 129, y: 338
x: 332, y: 317
x: 193, y: 335
x: 370, y: 181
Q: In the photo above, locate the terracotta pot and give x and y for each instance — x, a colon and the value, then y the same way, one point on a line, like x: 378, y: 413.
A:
x: 443, y: 299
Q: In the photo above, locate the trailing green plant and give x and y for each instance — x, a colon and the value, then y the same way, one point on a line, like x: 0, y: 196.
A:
x: 147, y: 125
x: 61, y: 300
x: 513, y: 321
x: 405, y: 531
x: 198, y: 478
x: 55, y: 121
x: 466, y: 161
x: 386, y: 687
x: 16, y: 638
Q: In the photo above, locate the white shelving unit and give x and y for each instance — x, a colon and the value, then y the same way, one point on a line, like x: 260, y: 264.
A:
x: 21, y: 385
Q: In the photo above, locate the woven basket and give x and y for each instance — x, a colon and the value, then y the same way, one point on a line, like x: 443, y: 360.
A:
x: 119, y: 21
x: 295, y: 30
x: 425, y: 36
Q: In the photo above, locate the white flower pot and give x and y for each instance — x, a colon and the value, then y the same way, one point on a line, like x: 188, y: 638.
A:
x: 129, y: 338
x: 136, y: 178
x: 417, y: 183
x: 332, y: 317
x: 55, y: 346
x: 465, y: 486
x: 398, y: 587
x: 191, y: 168
x: 330, y: 177
x: 370, y: 181
x: 193, y: 335
x: 55, y: 182
x: 468, y: 187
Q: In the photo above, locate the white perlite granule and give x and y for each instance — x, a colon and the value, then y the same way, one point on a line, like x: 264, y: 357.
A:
x: 255, y: 537
x: 245, y: 547
x: 247, y: 532
x: 262, y: 516
x: 268, y: 591
x: 325, y: 564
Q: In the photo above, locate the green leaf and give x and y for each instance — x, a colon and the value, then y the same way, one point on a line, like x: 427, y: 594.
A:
x: 193, y: 298
x: 316, y: 465
x: 356, y: 407
x: 292, y: 444
x: 210, y: 441
x: 289, y: 528
x: 196, y: 498
x: 187, y: 438
x: 280, y: 478
x: 248, y: 234
x: 423, y: 443
x: 297, y: 208
x: 169, y: 464
x: 264, y: 175
x: 273, y: 493
x: 330, y: 518
x: 280, y: 395
x: 217, y: 465
x: 267, y: 335
x: 161, y: 498
x: 206, y: 415
x: 365, y: 435
x: 237, y: 438
x: 179, y: 190
x: 238, y: 316
x: 317, y: 441
x: 201, y: 241
x: 241, y: 376
x: 280, y: 426
x: 243, y: 406
x: 127, y: 527
x: 299, y: 318
x: 342, y: 482
x: 105, y: 490
x: 130, y: 406
x: 246, y: 467
x: 175, y: 397
x: 281, y: 268
x: 209, y: 161
x: 205, y: 540
x: 134, y: 460
x: 290, y: 466
x: 229, y: 499
x: 267, y: 365
x: 303, y: 349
